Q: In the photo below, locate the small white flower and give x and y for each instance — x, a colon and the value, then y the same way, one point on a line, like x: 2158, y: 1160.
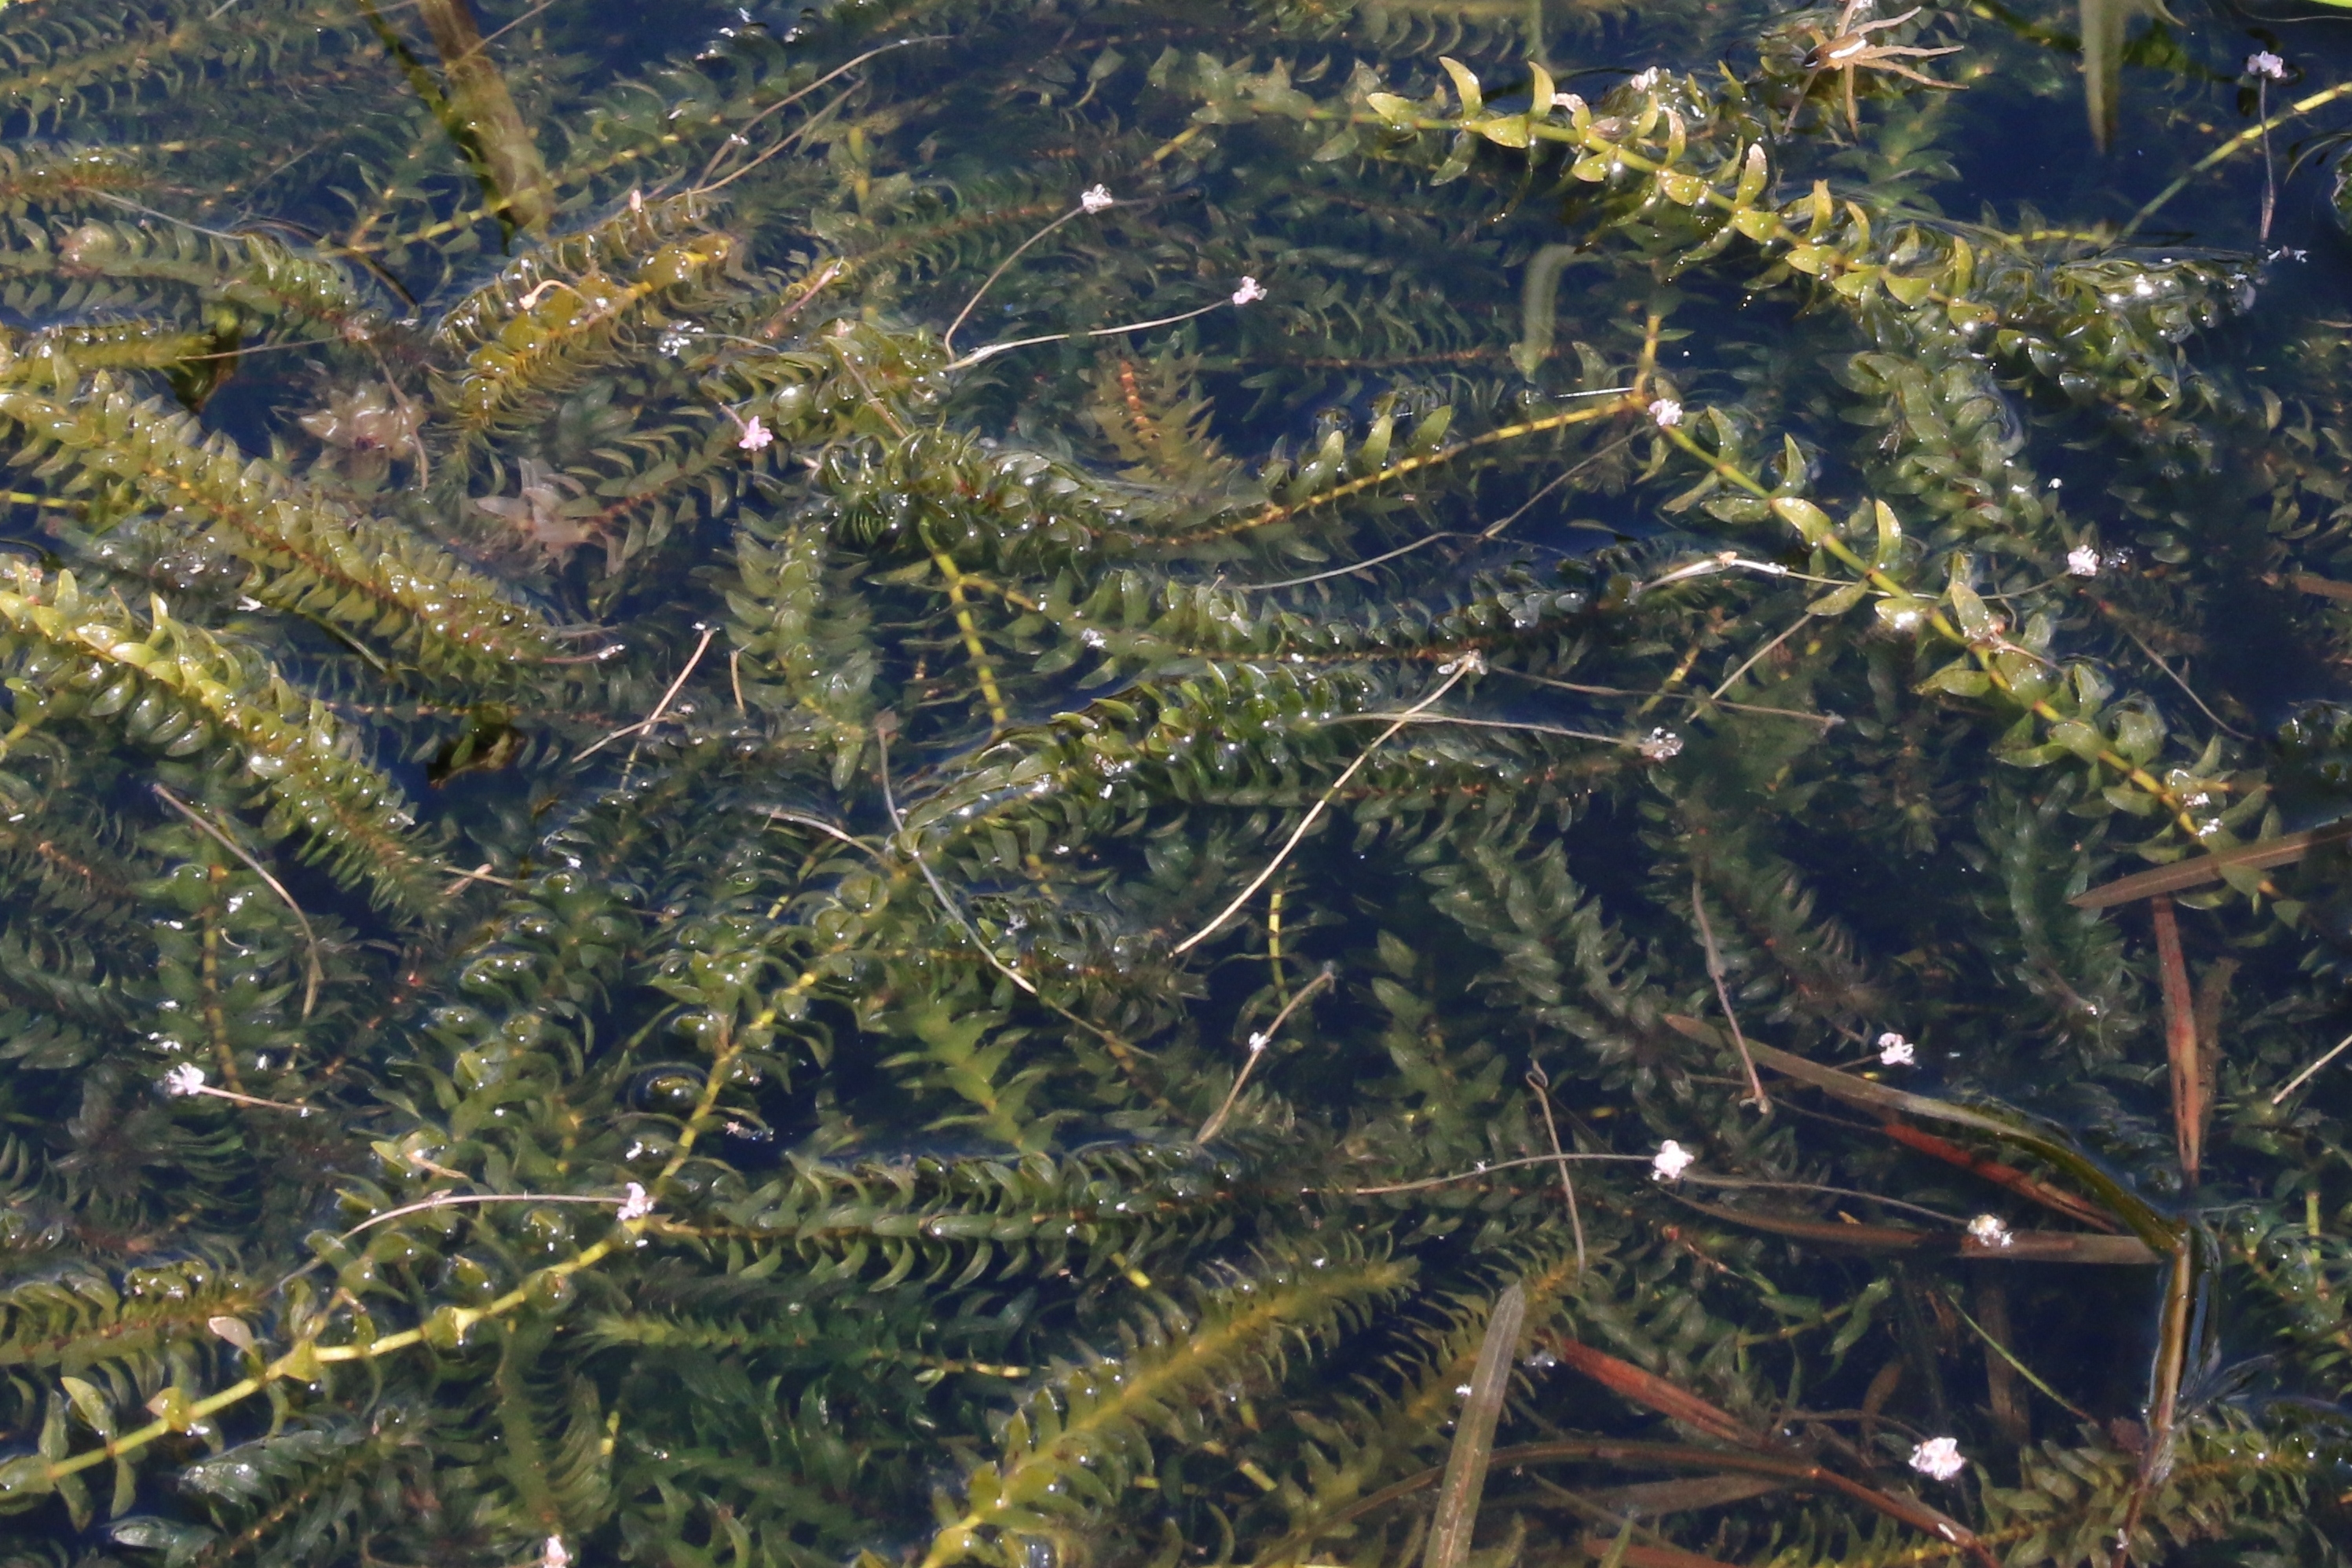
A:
x: 1646, y: 80
x: 1566, y: 101
x: 1671, y: 1160
x: 1249, y: 293
x: 2263, y: 64
x: 1666, y: 414
x: 555, y: 1555
x: 2082, y: 561
x: 756, y: 436
x: 1938, y: 1458
x: 637, y: 1206
x: 675, y: 341
x: 185, y: 1080
x: 1098, y: 198
x: 1660, y: 746
x: 1990, y: 1231
x: 1894, y: 1050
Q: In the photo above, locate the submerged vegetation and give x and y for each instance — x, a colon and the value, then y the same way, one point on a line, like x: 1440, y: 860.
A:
x: 1075, y: 784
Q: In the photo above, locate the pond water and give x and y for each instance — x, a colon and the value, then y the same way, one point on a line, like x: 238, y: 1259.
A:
x: 1309, y: 782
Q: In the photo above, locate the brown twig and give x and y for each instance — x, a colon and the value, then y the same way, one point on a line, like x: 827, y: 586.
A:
x: 1633, y: 1554
x: 2300, y: 1079
x: 2213, y: 996
x: 1652, y: 1393
x: 2190, y: 1109
x: 2164, y: 1395
x: 2009, y: 1177
x: 1257, y: 1044
x: 2005, y: 1176
x: 661, y: 707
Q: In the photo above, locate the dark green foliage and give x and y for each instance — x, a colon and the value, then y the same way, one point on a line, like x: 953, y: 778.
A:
x: 638, y: 855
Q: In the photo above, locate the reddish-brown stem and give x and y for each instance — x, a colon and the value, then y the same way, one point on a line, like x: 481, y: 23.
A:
x: 2180, y: 1046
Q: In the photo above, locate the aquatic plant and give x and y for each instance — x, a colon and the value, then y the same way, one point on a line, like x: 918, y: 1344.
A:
x: 1005, y: 784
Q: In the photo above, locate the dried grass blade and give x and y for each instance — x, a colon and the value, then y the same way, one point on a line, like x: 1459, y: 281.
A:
x: 2102, y: 25
x: 481, y: 118
x: 2300, y: 1079
x: 2324, y: 586
x: 1828, y: 1233
x: 1474, y: 1436
x: 2198, y: 870
x: 1931, y: 1521
x: 1620, y: 1548
x: 2000, y: 1175
x: 1794, y: 1472
x: 2022, y: 1245
x: 2178, y: 1326
x: 1657, y: 1498
x: 1654, y: 1393
x: 2161, y: 1233
x: 1995, y: 1332
x: 2189, y: 1107
x: 2064, y: 1246
x: 2213, y: 996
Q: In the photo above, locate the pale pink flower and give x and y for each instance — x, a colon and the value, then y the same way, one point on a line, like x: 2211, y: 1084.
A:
x: 1938, y: 1458
x: 756, y: 436
x: 1249, y: 293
